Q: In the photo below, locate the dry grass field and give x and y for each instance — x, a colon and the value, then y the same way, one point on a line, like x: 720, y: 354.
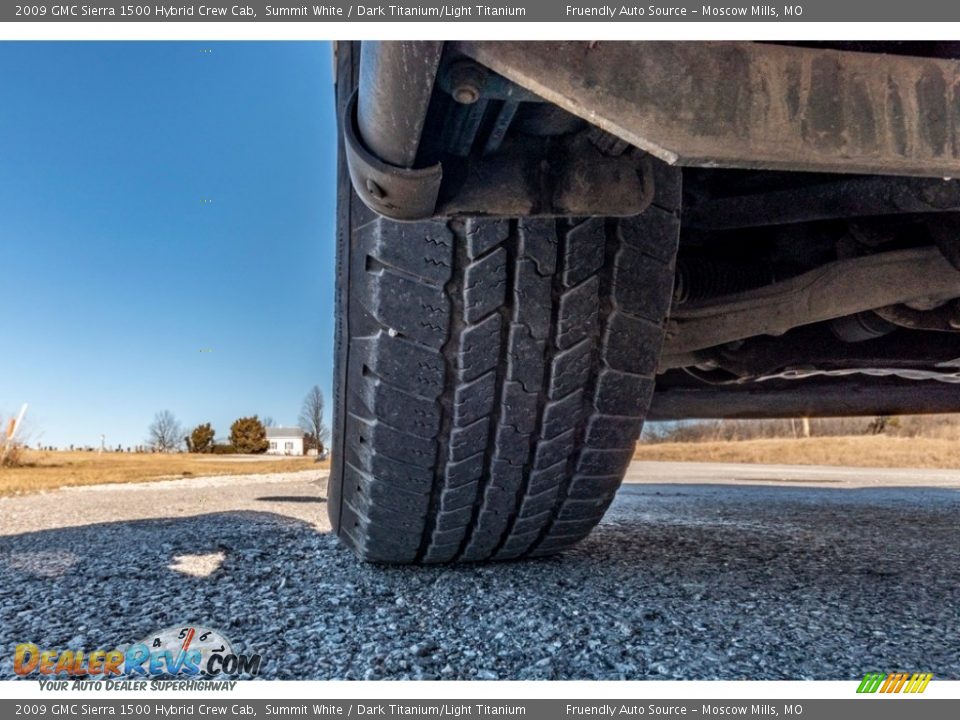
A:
x: 857, y: 451
x: 47, y: 470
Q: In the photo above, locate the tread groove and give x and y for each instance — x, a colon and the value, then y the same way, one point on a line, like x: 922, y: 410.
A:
x: 496, y: 416
x: 573, y: 459
x: 450, y: 351
x: 543, y: 401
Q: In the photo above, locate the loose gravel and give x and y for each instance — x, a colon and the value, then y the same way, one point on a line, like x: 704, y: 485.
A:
x: 680, y: 581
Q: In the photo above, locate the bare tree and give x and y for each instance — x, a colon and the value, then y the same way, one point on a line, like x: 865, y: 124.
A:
x: 165, y: 433
x: 267, y: 421
x: 311, y: 417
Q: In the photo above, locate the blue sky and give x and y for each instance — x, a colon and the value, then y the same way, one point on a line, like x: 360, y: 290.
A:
x: 157, y: 200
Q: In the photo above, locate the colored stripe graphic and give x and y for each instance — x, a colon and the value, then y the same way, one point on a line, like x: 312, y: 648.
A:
x: 894, y: 682
x: 901, y: 679
x: 919, y: 682
x: 871, y: 682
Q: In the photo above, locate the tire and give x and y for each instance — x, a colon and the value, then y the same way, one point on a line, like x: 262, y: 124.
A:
x: 492, y: 375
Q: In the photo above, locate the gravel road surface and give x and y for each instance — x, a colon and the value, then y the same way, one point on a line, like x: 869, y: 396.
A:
x: 699, y: 571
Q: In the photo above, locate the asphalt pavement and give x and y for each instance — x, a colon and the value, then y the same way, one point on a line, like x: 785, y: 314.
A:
x: 699, y: 571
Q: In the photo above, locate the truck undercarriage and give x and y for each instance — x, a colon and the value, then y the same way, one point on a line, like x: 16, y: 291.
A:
x: 637, y: 231
x: 804, y: 285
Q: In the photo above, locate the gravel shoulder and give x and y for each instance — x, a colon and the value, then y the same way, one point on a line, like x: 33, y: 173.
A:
x: 747, y: 577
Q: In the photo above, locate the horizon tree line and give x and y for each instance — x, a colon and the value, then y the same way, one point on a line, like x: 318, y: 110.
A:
x: 248, y: 434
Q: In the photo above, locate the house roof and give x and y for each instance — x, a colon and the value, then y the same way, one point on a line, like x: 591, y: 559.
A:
x: 285, y: 432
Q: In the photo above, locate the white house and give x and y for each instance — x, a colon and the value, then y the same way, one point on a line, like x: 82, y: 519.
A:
x: 285, y: 441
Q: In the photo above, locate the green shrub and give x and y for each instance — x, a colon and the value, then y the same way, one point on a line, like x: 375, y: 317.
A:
x: 249, y: 436
x: 201, y: 439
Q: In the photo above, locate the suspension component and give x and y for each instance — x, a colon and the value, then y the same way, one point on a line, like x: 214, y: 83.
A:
x: 700, y: 278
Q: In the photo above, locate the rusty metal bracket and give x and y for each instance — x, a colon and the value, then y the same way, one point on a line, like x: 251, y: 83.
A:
x: 750, y: 105
x: 552, y: 177
x: 945, y: 318
x: 466, y: 82
x: 840, y: 288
